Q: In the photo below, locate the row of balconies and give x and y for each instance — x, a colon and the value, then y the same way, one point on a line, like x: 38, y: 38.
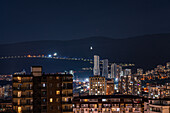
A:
x: 67, y: 80
x: 27, y: 111
x: 23, y: 80
x: 67, y: 102
x: 43, y: 80
x: 67, y: 110
x: 110, y: 106
x: 22, y: 88
x: 22, y: 96
x: 68, y: 87
x: 22, y: 103
x: 65, y: 95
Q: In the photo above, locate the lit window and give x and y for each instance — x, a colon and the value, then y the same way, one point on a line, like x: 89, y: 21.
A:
x: 44, y: 100
x: 51, y: 99
x: 44, y: 85
x: 19, y: 109
x: 85, y: 100
x: 57, y: 77
x: 57, y: 92
x: 19, y: 94
x: 19, y: 78
x: 57, y: 99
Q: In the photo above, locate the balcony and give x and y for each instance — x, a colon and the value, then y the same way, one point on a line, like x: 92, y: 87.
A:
x: 155, y: 112
x: 22, y: 88
x: 22, y: 96
x: 67, y: 95
x: 22, y: 81
x: 22, y: 103
x: 67, y: 102
x: 67, y: 110
x: 27, y: 111
x: 68, y: 87
x: 67, y: 80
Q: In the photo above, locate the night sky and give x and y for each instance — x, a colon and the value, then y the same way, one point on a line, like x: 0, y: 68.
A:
x: 28, y: 20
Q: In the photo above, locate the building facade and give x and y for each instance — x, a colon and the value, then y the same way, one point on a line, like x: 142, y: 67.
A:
x: 110, y: 87
x: 113, y: 71
x: 157, y: 106
x: 97, y: 85
x: 108, y: 104
x: 96, y: 69
x: 130, y: 85
x: 105, y: 68
x: 42, y: 93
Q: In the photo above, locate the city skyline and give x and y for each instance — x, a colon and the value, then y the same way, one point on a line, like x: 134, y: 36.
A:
x: 84, y: 56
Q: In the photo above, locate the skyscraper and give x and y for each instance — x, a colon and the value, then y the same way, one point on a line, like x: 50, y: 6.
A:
x: 114, y: 70
x: 127, y: 72
x: 105, y: 68
x: 130, y: 85
x: 139, y: 71
x: 96, y: 69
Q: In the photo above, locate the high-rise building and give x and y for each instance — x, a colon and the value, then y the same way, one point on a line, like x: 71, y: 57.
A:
x: 159, y: 90
x: 96, y: 69
x: 130, y: 85
x: 42, y: 93
x: 114, y: 71
x: 105, y: 68
x: 139, y: 71
x: 110, y: 87
x: 97, y: 85
x: 119, y: 72
x: 127, y: 72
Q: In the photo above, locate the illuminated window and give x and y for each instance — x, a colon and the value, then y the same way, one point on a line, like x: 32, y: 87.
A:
x: 19, y: 94
x: 19, y: 109
x: 57, y: 77
x: 19, y: 78
x: 57, y: 92
x: 51, y: 99
x: 19, y: 101
x: 44, y: 85
x: 57, y: 99
x: 65, y: 99
x: 85, y: 100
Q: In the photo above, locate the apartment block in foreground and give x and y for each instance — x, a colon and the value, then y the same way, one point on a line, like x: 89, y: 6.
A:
x: 108, y: 104
x: 42, y: 93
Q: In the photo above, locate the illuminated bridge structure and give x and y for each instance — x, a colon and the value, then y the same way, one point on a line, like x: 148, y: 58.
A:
x: 60, y: 58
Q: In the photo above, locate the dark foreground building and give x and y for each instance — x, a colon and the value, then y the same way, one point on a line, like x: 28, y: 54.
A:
x: 42, y: 93
x: 108, y: 104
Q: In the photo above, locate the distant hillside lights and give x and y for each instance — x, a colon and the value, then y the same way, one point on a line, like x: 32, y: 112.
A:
x: 158, y: 73
x: 117, y: 81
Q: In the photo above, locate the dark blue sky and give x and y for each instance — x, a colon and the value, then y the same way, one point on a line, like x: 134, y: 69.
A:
x: 27, y: 20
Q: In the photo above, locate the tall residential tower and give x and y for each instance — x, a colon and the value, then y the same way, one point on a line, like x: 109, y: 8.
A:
x: 96, y: 69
